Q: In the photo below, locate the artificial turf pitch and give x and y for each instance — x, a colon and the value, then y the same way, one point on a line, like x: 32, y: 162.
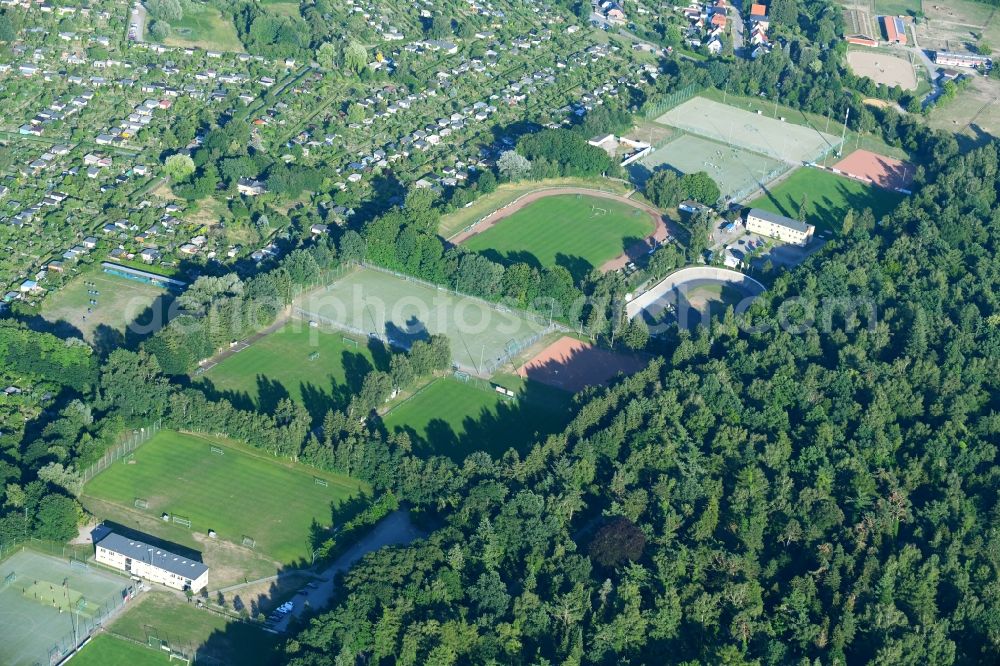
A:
x: 827, y: 198
x: 241, y: 492
x: 453, y: 418
x: 575, y: 231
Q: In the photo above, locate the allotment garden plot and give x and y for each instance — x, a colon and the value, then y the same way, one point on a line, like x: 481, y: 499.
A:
x: 209, y: 485
x: 41, y: 597
x: 402, y: 310
x: 736, y: 171
x: 755, y: 132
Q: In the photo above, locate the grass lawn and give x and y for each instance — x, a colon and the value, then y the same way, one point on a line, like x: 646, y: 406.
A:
x: 454, y: 222
x: 120, y: 302
x: 828, y: 198
x: 204, y: 26
x: 106, y: 650
x: 211, y: 637
x: 278, y: 366
x: 178, y: 474
x: 454, y: 419
x: 897, y: 7
x: 575, y: 231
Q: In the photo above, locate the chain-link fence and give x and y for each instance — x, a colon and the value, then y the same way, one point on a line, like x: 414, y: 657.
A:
x: 131, y: 441
x: 655, y: 108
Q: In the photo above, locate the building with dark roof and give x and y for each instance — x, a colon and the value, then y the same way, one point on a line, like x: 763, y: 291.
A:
x: 141, y: 559
x: 785, y: 229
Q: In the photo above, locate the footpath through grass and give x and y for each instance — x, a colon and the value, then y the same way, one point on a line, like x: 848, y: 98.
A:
x: 827, y: 196
x: 240, y: 492
x: 313, y: 366
x: 452, y: 418
x: 575, y: 231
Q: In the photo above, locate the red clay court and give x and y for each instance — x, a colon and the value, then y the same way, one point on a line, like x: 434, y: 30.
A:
x: 573, y: 365
x: 876, y: 169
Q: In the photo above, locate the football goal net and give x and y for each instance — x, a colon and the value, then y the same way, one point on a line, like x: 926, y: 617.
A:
x: 249, y: 541
x: 349, y: 342
x: 320, y: 482
x: 218, y: 451
x: 180, y: 520
x: 141, y: 503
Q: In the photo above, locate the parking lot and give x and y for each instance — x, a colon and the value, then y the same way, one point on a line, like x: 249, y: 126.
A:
x: 742, y: 243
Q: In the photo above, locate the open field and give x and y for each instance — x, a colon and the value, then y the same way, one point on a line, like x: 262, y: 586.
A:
x: 578, y: 232
x: 107, y: 650
x: 279, y: 366
x: 958, y: 25
x: 736, y: 171
x: 886, y: 172
x: 757, y: 132
x: 974, y: 116
x: 573, y: 365
x: 453, y: 418
x: 204, y: 26
x: 883, y: 68
x: 897, y: 7
x: 373, y: 302
x: 120, y: 302
x: 454, y: 222
x: 210, y: 637
x: 179, y: 474
x: 828, y: 198
x: 31, y: 625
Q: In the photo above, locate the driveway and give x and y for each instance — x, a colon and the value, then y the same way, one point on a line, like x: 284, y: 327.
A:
x: 138, y: 19
x: 396, y: 529
x: 738, y: 27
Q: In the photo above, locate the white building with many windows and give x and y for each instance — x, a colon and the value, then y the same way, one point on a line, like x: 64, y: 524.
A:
x: 151, y: 563
x: 783, y: 228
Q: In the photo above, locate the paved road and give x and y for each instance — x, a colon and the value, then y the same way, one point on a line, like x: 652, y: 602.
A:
x: 738, y: 27
x: 394, y: 530
x: 138, y: 17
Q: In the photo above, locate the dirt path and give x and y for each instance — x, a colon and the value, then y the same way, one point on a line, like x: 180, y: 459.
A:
x: 660, y: 232
x: 282, y: 319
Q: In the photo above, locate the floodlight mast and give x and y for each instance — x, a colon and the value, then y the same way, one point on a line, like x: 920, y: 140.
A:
x: 843, y: 134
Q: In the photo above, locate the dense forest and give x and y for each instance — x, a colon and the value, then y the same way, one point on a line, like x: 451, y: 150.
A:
x: 819, y: 488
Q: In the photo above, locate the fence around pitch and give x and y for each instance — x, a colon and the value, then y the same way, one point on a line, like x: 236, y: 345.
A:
x: 656, y: 108
x: 132, y: 441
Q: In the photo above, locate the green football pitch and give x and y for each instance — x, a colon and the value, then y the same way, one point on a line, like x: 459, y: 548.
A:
x: 241, y: 492
x: 106, y: 650
x: 827, y: 198
x: 374, y: 302
x: 452, y: 418
x: 313, y: 366
x: 577, y: 232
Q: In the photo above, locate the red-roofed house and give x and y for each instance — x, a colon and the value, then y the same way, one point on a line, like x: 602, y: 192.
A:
x: 719, y: 20
x: 895, y: 29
